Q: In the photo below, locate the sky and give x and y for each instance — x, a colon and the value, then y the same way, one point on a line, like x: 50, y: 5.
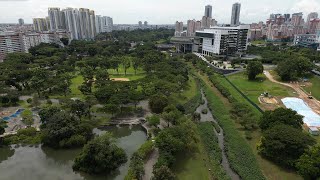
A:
x: 157, y: 11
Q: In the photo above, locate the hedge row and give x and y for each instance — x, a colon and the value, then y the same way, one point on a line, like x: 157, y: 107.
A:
x: 136, y: 167
x: 240, y: 155
x: 191, y: 106
x: 211, y: 144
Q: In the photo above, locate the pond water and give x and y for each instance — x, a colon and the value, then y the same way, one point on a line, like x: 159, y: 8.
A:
x: 41, y: 163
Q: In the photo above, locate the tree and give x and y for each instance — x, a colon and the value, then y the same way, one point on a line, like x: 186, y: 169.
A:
x: 114, y: 62
x: 2, y: 130
x: 253, y: 69
x: 153, y: 120
x: 27, y: 117
x: 281, y: 116
x: 284, y: 144
x: 136, y: 62
x: 293, y: 68
x: 100, y: 155
x: 126, y: 63
x: 157, y: 103
x: 61, y: 130
x: 308, y: 164
x: 112, y: 109
x: 79, y: 108
x: 102, y: 77
x: 65, y: 41
x: 163, y: 173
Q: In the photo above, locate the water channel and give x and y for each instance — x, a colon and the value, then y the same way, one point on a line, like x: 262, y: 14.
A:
x: 42, y: 163
x: 209, y: 118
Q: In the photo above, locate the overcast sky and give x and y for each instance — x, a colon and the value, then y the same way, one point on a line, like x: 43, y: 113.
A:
x: 157, y: 11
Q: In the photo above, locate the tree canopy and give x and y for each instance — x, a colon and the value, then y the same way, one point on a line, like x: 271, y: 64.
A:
x: 100, y: 155
x: 253, y: 69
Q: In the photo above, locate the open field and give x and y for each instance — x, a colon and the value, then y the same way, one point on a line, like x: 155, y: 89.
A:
x: 253, y: 89
x: 315, y: 87
x: 221, y: 108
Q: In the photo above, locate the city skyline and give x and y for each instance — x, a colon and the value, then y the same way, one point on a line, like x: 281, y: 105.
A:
x: 153, y: 11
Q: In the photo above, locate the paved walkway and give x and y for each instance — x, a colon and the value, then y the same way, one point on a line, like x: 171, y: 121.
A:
x: 314, y: 104
x: 148, y: 166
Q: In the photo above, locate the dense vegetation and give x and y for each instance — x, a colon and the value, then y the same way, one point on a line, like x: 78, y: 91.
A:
x: 283, y: 140
x: 100, y: 155
x: 210, y: 142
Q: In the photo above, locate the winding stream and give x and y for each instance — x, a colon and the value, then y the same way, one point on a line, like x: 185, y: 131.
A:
x: 41, y: 163
x: 209, y: 118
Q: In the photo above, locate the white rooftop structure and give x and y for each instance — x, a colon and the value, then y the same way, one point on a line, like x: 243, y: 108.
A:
x: 311, y: 119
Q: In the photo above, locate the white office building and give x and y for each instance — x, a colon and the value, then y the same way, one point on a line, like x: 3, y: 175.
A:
x: 223, y: 40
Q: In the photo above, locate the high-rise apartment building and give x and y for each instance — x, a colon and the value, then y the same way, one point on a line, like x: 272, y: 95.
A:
x: 297, y: 19
x: 310, y: 17
x: 72, y: 19
x: 21, y: 22
x: 140, y: 24
x: 208, y: 11
x: 104, y: 24
x: 206, y: 22
x: 55, y: 18
x: 9, y: 42
x: 235, y: 15
x: 191, y: 27
x: 145, y: 24
x: 178, y: 28
x: 40, y: 24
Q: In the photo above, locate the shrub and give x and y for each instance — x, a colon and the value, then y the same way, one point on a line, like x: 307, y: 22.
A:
x: 158, y: 102
x: 204, y: 111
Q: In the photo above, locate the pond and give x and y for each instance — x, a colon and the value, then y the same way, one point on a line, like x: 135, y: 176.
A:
x: 42, y: 163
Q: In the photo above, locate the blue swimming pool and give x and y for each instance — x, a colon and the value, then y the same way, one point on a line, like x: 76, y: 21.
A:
x: 16, y: 114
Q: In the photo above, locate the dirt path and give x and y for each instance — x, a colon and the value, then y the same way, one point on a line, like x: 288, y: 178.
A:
x: 148, y: 166
x: 312, y: 103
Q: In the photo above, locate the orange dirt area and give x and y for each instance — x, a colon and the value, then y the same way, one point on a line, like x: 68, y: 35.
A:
x: 120, y: 79
x: 268, y: 100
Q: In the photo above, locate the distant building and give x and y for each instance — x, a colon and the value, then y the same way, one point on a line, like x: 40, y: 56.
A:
x: 306, y: 40
x: 40, y: 24
x: 145, y: 24
x: 140, y: 24
x: 311, y: 16
x: 206, y: 22
x: 21, y: 22
x: 297, y: 19
x: 223, y: 40
x: 191, y: 27
x: 54, y: 15
x: 21, y: 42
x: 208, y: 11
x: 235, y: 15
x: 178, y: 28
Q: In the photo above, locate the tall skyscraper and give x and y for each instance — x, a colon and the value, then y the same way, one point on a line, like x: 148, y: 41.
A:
x: 73, y: 22
x: 55, y: 18
x: 140, y: 24
x: 145, y: 23
x: 21, y: 22
x: 235, y: 15
x: 208, y: 11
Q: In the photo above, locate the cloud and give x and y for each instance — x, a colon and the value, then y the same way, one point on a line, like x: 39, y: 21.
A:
x: 306, y: 6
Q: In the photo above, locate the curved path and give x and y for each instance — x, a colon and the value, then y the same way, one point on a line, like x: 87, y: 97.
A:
x: 312, y: 103
x: 148, y: 166
x: 209, y: 118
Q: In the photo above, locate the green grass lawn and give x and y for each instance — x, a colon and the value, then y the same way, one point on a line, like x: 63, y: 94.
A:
x: 253, y: 89
x: 129, y: 71
x: 192, y: 166
x: 315, y: 88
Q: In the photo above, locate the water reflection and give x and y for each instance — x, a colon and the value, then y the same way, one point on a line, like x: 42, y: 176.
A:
x: 42, y: 163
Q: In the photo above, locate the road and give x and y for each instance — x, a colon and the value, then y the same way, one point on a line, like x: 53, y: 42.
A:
x: 314, y: 104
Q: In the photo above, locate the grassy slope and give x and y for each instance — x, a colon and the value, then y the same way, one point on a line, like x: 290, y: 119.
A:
x: 315, y: 88
x: 253, y: 89
x: 192, y: 166
x: 270, y: 170
x: 189, y: 93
